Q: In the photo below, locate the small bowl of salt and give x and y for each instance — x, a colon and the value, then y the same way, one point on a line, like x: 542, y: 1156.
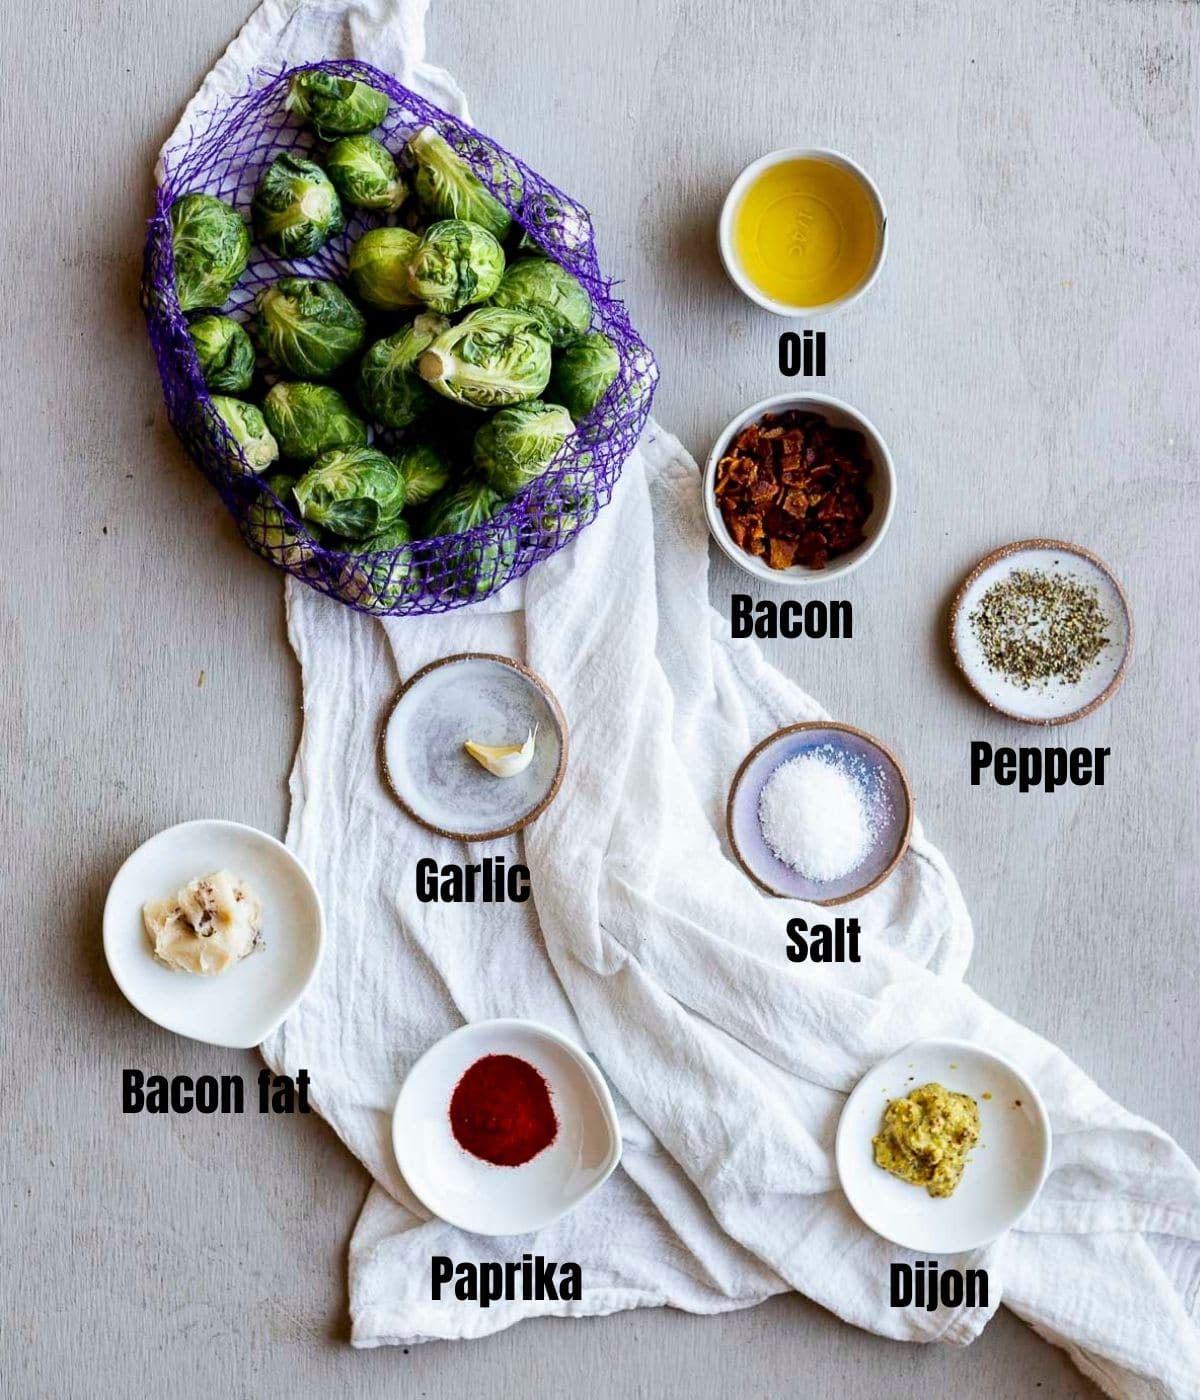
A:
x: 820, y: 812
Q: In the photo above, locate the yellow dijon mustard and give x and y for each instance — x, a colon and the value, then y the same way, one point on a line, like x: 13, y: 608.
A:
x: 926, y: 1136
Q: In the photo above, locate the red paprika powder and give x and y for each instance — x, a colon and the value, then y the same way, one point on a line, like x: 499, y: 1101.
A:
x: 501, y: 1111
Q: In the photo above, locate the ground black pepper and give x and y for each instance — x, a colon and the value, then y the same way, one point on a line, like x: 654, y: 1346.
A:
x: 1035, y: 627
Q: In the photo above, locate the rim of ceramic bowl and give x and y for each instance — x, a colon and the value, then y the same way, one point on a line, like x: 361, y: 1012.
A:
x: 1005, y: 551
x: 555, y: 783
x: 590, y: 1071
x: 901, y: 845
x: 837, y: 568
x: 733, y: 201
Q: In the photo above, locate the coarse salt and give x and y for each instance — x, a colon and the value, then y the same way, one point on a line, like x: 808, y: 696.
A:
x: 816, y: 816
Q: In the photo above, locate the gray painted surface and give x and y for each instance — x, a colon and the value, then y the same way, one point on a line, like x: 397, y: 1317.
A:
x: 1029, y: 353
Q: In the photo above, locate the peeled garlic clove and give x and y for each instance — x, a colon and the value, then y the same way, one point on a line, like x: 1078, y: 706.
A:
x: 504, y: 760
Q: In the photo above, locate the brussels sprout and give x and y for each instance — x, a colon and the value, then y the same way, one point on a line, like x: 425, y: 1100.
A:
x: 267, y: 527
x: 295, y: 207
x: 449, y: 189
x: 225, y: 353
x: 308, y: 327
x: 425, y: 471
x: 581, y: 374
x: 462, y: 509
x: 309, y: 419
x: 335, y: 106
x: 380, y: 585
x: 389, y: 387
x: 398, y: 533
x: 474, y: 566
x: 353, y: 491
x: 212, y: 247
x: 516, y: 445
x: 490, y: 358
x: 558, y: 300
x: 364, y: 174
x: 560, y: 223
x: 249, y: 430
x: 564, y: 516
x: 378, y: 268
x: 456, y: 265
x: 481, y: 566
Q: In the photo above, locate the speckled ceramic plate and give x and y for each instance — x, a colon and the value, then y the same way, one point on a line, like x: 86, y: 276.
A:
x: 1003, y: 1174
x: 1053, y: 702
x: 889, y: 793
x: 489, y: 700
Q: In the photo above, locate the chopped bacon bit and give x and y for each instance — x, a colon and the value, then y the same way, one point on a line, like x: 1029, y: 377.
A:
x: 792, y: 489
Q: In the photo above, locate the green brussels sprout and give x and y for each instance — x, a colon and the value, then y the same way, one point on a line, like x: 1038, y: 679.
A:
x: 364, y: 174
x: 246, y: 425
x: 581, y: 374
x: 295, y: 207
x: 480, y: 566
x: 211, y: 244
x: 456, y: 265
x: 491, y: 358
x: 474, y: 567
x: 466, y: 506
x: 564, y: 516
x: 378, y: 268
x: 425, y: 470
x: 225, y: 353
x: 380, y: 585
x: 449, y: 189
x: 308, y: 327
x: 353, y: 491
x: 558, y: 300
x: 389, y: 387
x: 517, y: 444
x: 560, y: 222
x: 308, y: 419
x: 266, y: 524
x: 398, y: 533
x: 335, y: 106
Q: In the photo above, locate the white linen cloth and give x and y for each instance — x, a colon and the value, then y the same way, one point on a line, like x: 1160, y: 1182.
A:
x: 650, y: 946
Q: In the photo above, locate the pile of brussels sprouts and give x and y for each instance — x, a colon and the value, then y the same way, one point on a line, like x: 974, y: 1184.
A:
x: 475, y: 338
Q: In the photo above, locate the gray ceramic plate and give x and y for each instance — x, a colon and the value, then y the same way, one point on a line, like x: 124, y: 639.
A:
x: 489, y: 700
x: 892, y: 796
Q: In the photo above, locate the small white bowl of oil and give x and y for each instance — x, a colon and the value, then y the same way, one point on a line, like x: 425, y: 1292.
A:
x: 803, y: 231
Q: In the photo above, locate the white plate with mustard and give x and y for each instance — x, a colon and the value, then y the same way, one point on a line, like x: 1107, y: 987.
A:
x: 1004, y: 1169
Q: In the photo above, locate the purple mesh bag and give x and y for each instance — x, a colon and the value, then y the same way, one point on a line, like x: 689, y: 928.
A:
x: 225, y: 154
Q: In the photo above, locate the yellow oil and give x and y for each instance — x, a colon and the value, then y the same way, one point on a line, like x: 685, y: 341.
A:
x: 806, y: 233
